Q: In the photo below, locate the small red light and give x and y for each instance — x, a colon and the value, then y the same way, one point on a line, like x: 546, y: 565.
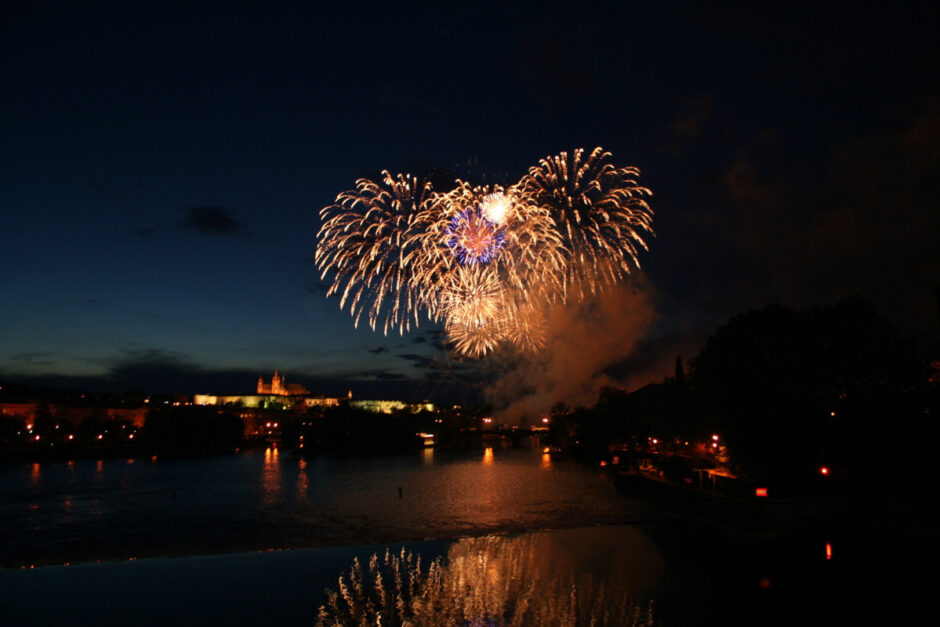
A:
x: 760, y: 492
x: 824, y: 470
x: 828, y: 551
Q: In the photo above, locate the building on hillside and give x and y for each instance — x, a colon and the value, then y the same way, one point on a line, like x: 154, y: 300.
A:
x: 278, y: 395
x: 74, y: 416
x: 388, y: 407
x: 253, y: 401
x: 321, y: 401
x: 280, y: 387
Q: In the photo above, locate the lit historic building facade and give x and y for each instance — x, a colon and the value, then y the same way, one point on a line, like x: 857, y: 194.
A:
x: 280, y: 387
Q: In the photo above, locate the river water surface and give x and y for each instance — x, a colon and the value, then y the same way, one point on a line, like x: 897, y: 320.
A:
x: 68, y: 512
x: 257, y: 537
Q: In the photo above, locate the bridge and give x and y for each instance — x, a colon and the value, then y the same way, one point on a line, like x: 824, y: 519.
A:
x: 515, y: 433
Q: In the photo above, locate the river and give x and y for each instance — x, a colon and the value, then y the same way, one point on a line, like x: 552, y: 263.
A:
x: 69, y: 512
x: 255, y: 537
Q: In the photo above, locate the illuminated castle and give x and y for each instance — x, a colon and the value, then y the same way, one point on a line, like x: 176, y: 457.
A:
x: 279, y: 387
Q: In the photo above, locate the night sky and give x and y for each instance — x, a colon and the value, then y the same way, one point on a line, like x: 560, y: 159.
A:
x: 162, y: 167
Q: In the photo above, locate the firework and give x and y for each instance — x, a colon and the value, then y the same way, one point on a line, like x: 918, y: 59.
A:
x: 473, y: 238
x: 486, y: 261
x: 600, y: 211
x: 370, y: 241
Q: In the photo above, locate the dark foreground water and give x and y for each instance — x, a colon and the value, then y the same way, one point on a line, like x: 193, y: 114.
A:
x: 514, y: 534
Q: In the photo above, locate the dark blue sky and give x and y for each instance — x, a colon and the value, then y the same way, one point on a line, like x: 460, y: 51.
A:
x: 162, y: 169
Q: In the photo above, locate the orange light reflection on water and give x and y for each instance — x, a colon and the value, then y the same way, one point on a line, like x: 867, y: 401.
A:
x: 488, y: 456
x: 271, y: 477
x: 303, y: 483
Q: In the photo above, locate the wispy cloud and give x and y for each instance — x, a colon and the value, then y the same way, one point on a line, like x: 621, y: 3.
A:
x: 33, y: 358
x: 211, y: 221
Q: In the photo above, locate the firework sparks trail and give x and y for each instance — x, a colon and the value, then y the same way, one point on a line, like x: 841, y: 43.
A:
x: 600, y: 211
x: 486, y: 261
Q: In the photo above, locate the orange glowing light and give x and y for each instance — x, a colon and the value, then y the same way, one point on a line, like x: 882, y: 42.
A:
x: 603, y: 463
x: 100, y: 437
x: 762, y: 492
x: 715, y: 438
x: 545, y: 420
x: 828, y: 551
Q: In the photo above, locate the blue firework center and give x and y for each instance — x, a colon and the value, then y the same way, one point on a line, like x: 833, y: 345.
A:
x: 473, y: 238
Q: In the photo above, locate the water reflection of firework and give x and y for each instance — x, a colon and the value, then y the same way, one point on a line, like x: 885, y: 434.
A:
x: 570, y: 228
x: 483, y: 581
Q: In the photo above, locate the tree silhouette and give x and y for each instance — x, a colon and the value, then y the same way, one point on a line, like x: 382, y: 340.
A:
x: 790, y: 389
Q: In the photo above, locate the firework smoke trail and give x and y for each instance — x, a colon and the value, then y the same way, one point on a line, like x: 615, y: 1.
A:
x: 485, y: 260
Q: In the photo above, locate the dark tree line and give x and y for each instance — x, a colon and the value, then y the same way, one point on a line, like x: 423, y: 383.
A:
x: 794, y: 390
x: 789, y: 392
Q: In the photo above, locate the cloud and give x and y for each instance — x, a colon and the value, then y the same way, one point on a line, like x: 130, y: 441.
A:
x: 211, y: 221
x: 437, y: 338
x: 693, y: 114
x: 691, y: 118
x: 377, y: 350
x: 583, y: 343
x: 160, y: 371
x: 33, y: 358
x: 385, y: 375
x: 419, y: 361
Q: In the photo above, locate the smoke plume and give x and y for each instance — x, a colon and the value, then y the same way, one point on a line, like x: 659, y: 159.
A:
x: 583, y: 342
